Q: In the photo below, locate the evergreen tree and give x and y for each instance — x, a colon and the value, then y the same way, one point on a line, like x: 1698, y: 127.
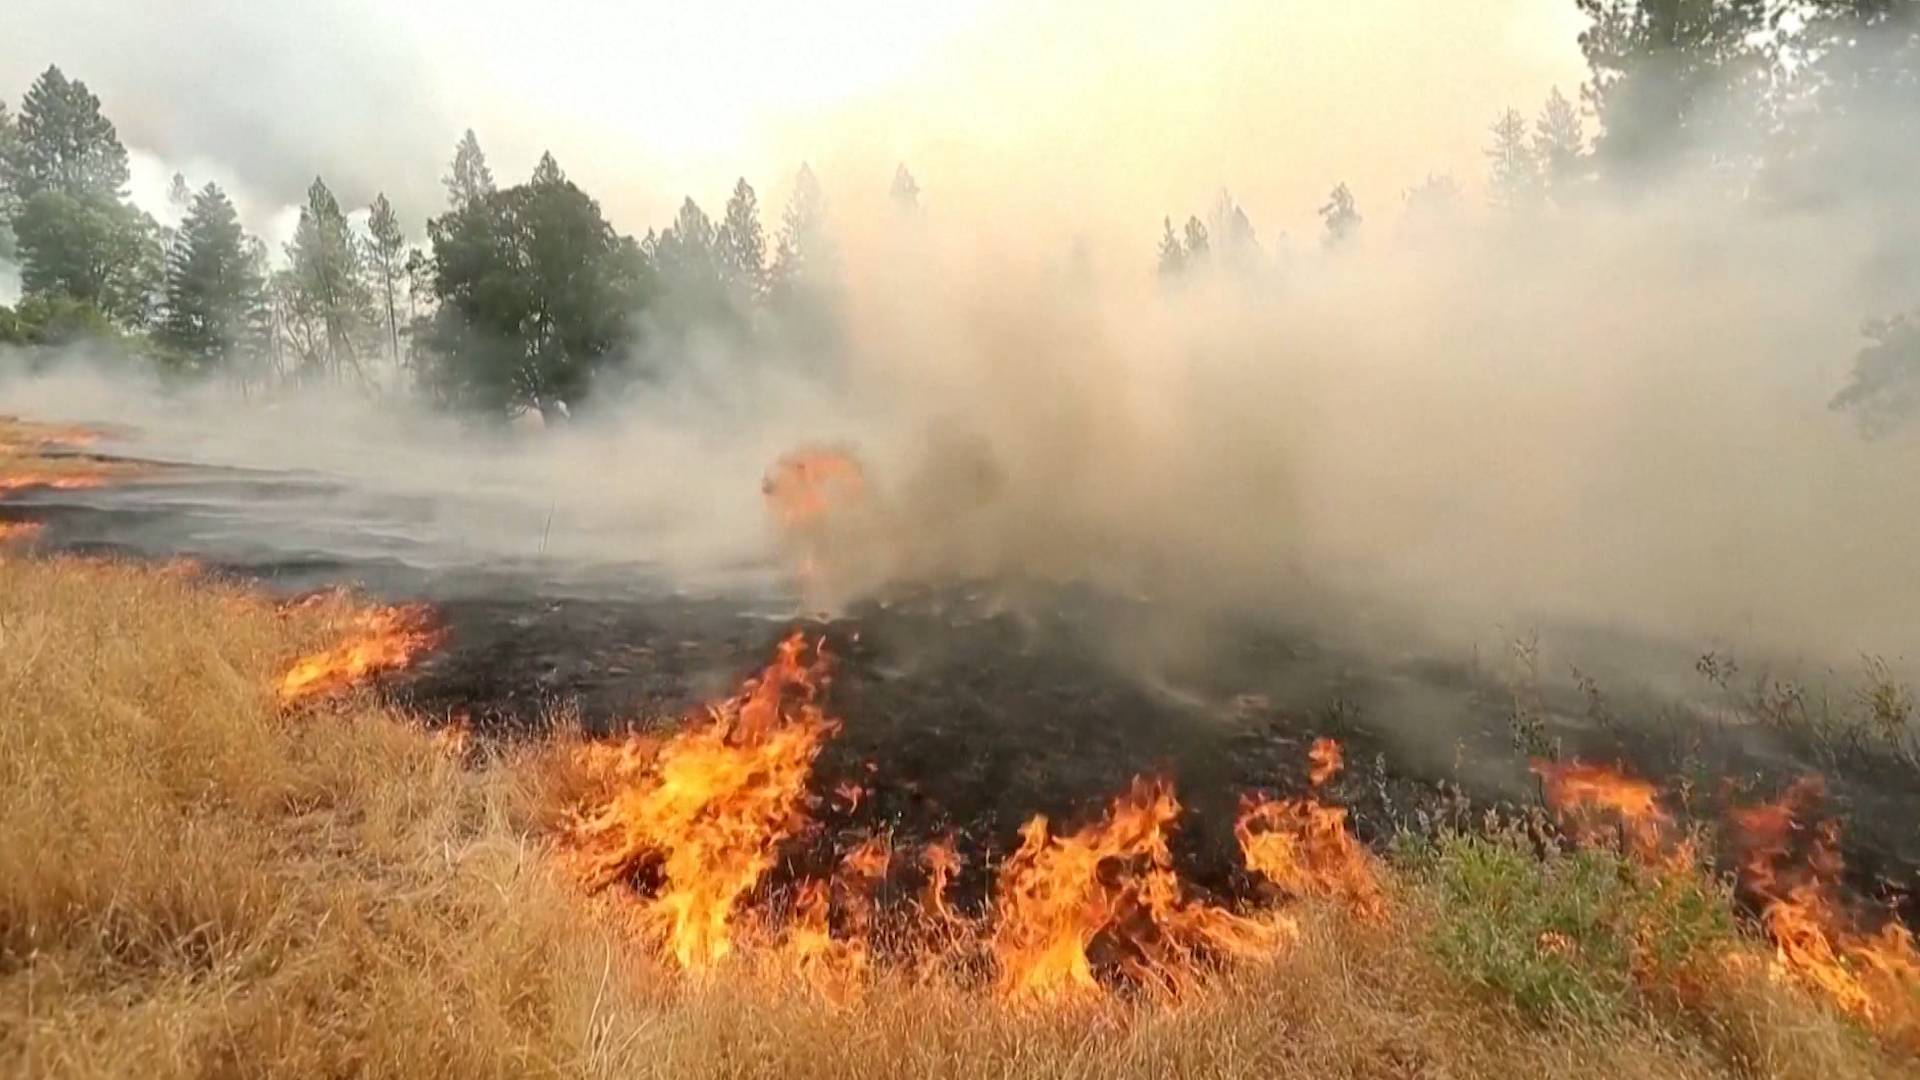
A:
x: 213, y: 291
x: 1341, y: 215
x: 905, y: 191
x: 534, y: 296
x: 1662, y: 68
x: 9, y: 202
x: 1883, y: 393
x: 804, y: 249
x: 65, y: 172
x: 1514, y: 180
x: 179, y: 195
x: 99, y: 252
x: 469, y: 179
x: 1198, y: 247
x: 693, y: 273
x: 1229, y: 227
x: 63, y: 143
x: 803, y: 289
x: 1173, y: 257
x: 1558, y: 142
x: 1432, y: 204
x: 330, y: 292
x: 383, y: 225
x: 742, y: 244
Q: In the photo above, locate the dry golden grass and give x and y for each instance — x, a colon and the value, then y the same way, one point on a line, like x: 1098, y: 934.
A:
x: 22, y: 456
x: 193, y: 884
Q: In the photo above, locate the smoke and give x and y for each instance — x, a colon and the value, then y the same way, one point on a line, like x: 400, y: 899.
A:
x: 1608, y: 413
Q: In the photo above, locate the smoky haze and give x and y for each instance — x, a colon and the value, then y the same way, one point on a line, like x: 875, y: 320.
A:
x: 1608, y: 412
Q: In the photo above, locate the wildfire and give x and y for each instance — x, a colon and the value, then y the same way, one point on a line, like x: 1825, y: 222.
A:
x: 1596, y: 803
x: 806, y: 485
x: 1326, y: 760
x: 1111, y: 888
x: 1304, y: 847
x: 21, y: 481
x: 18, y: 531
x: 692, y: 825
x: 381, y: 639
x: 709, y: 812
x: 1873, y: 976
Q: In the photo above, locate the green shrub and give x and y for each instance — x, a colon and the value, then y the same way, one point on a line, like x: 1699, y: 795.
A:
x: 1565, y: 934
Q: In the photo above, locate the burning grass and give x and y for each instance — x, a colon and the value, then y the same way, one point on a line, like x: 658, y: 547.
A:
x: 372, y: 640
x: 30, y: 459
x: 194, y: 883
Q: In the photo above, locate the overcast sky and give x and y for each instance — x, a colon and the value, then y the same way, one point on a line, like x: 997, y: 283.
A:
x: 1120, y: 110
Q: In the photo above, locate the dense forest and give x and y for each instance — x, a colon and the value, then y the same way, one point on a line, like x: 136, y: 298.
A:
x: 524, y: 298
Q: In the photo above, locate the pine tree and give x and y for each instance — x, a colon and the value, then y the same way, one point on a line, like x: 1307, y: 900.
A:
x: 63, y: 143
x: 329, y: 289
x: 905, y: 191
x: 179, y: 195
x: 1341, y: 215
x: 383, y: 225
x: 9, y: 202
x: 65, y: 173
x: 742, y: 244
x: 1199, y: 248
x: 804, y: 249
x: 1662, y: 68
x: 1173, y: 257
x: 546, y: 172
x: 1558, y: 142
x: 1229, y: 227
x: 1515, y: 175
x: 469, y: 179
x: 213, y: 288
x: 1432, y: 204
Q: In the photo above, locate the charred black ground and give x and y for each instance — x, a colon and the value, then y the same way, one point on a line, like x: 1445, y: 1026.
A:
x: 968, y: 708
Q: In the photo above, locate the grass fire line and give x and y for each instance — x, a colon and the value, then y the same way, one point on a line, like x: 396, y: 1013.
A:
x: 638, y: 904
x: 402, y: 860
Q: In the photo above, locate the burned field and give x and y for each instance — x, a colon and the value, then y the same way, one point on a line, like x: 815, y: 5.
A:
x: 971, y: 707
x: 954, y: 749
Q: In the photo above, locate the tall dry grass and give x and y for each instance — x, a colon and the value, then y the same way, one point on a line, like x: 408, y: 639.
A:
x: 193, y: 884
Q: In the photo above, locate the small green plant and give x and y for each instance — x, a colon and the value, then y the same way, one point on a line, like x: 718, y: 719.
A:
x: 1527, y: 715
x: 1570, y: 935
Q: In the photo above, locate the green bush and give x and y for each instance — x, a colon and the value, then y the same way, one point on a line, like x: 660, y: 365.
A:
x: 1569, y: 935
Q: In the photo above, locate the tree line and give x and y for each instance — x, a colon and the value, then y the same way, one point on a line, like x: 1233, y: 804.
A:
x: 525, y: 298
x: 519, y: 298
x: 1775, y: 104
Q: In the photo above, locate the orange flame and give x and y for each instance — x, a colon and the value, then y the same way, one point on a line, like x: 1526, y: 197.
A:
x: 711, y: 809
x: 1304, y: 846
x: 383, y: 639
x: 806, y: 485
x: 1872, y: 976
x: 942, y: 862
x: 1595, y: 803
x: 18, y: 531
x: 21, y: 481
x: 1326, y: 759
x: 1110, y: 886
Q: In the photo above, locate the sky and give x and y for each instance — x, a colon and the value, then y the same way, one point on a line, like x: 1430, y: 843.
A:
x: 1116, y: 112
